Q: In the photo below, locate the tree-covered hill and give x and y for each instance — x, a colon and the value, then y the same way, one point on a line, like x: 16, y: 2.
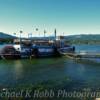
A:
x: 5, y: 36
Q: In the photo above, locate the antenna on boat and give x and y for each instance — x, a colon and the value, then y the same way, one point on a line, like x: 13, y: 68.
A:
x: 37, y: 30
x: 44, y: 33
x: 20, y: 35
x: 55, y: 32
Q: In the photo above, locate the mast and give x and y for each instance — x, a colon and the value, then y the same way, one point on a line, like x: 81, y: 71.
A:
x: 44, y: 33
x: 20, y: 36
x: 55, y: 32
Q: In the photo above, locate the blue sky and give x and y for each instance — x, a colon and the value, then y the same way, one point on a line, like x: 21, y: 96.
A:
x: 67, y: 16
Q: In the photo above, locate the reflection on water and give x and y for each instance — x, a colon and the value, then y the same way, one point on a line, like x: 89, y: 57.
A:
x: 78, y: 73
x: 18, y: 69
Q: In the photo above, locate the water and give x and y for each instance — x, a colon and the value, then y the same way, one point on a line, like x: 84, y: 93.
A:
x: 88, y: 48
x: 61, y: 71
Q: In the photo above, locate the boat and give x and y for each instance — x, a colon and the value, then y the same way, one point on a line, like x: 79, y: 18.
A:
x: 9, y: 52
x: 52, y: 48
x: 64, y: 46
x: 66, y: 49
x: 38, y: 48
x: 44, y: 48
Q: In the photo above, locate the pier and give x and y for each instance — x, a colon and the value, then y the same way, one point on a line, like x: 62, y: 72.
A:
x: 81, y: 54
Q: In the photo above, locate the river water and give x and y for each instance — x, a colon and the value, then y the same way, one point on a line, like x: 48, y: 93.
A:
x: 60, y: 71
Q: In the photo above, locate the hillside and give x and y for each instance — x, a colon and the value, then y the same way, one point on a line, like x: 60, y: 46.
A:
x: 5, y: 36
x: 73, y: 39
x: 84, y: 39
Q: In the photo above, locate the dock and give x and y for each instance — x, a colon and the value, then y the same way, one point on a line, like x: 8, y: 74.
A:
x: 80, y: 55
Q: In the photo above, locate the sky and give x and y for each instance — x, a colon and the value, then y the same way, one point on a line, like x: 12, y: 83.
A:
x: 67, y: 16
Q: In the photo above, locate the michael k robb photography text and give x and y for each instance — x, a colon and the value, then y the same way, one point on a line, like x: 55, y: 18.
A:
x: 48, y: 94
